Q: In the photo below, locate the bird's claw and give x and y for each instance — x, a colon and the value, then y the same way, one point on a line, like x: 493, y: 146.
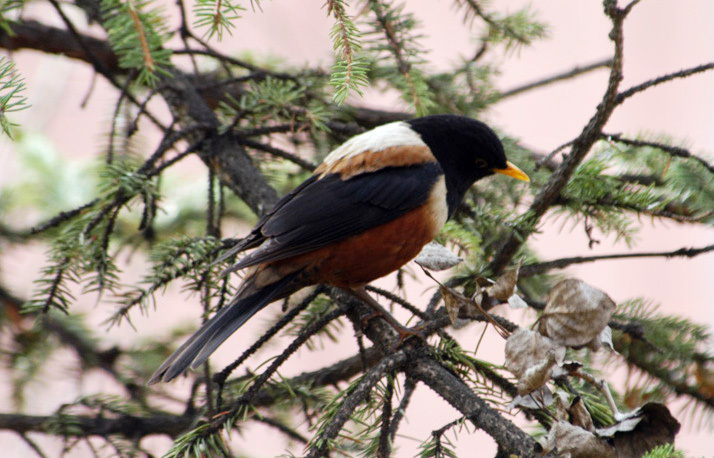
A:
x: 403, y: 332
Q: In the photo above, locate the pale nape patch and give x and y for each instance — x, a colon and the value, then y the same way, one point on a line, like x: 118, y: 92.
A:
x: 388, y: 135
x: 372, y: 161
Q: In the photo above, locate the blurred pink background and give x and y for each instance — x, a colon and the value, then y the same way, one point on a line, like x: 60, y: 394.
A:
x: 661, y: 36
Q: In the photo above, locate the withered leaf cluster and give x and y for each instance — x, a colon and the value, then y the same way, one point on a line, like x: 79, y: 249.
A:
x: 577, y: 315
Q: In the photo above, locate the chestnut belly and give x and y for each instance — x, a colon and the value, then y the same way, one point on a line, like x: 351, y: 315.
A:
x: 359, y: 259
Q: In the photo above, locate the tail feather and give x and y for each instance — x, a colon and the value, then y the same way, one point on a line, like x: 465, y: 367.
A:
x: 196, y: 350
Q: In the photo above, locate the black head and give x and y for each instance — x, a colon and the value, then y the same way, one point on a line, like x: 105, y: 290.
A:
x: 467, y: 151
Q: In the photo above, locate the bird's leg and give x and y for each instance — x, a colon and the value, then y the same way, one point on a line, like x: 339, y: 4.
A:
x: 378, y: 311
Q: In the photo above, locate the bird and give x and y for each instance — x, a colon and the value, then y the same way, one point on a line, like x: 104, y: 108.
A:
x: 366, y: 210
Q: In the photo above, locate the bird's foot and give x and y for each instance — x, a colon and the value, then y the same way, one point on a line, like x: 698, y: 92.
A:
x: 404, y: 333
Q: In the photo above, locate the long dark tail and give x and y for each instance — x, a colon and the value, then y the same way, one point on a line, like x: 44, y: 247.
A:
x: 196, y: 350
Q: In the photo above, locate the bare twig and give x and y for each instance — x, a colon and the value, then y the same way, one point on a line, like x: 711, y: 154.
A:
x: 33, y: 445
x: 576, y: 71
x: 409, y: 387
x: 662, y: 79
x: 247, y: 398
x: 277, y: 152
x: 98, y: 64
x: 282, y: 427
x: 462, y: 398
x: 541, y: 267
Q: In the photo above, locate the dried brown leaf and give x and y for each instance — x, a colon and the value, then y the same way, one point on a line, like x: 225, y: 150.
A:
x: 573, y: 441
x: 537, y: 375
x: 505, y: 285
x: 452, y: 302
x: 579, y: 415
x: 531, y: 357
x: 576, y: 313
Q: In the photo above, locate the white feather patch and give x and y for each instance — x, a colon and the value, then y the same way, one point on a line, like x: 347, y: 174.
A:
x: 385, y: 136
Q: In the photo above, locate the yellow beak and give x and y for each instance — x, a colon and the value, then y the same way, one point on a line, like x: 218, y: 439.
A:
x: 513, y: 171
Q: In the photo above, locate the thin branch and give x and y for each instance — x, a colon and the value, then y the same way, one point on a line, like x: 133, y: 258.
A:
x: 398, y: 300
x: 672, y: 150
x: 60, y: 218
x: 423, y: 367
x: 409, y: 387
x: 662, y: 79
x: 542, y: 267
x: 33, y: 445
x: 437, y: 434
x: 247, y: 398
x: 385, y: 438
x: 330, y: 375
x: 397, y: 49
x: 98, y: 64
x: 277, y: 152
x: 576, y: 71
x: 235, y: 61
x: 282, y: 427
x: 673, y: 210
x: 680, y: 387
x: 353, y: 400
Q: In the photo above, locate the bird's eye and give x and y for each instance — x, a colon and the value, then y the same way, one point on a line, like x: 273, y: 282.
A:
x: 480, y: 163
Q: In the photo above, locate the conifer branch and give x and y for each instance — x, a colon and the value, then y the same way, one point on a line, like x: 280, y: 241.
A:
x: 462, y: 398
x: 97, y: 63
x: 321, y: 444
x: 277, y: 152
x: 672, y: 150
x: 214, y: 114
x: 141, y: 33
x: 350, y: 71
x: 408, y: 391
x: 241, y: 405
x: 416, y: 91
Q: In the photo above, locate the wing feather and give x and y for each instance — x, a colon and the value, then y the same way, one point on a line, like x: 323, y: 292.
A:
x: 331, y: 209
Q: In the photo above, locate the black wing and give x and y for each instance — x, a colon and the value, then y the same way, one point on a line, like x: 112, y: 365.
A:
x: 330, y: 209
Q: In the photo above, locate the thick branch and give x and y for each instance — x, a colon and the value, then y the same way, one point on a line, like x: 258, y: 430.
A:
x: 31, y: 34
x: 425, y: 368
x: 80, y: 425
x: 447, y: 385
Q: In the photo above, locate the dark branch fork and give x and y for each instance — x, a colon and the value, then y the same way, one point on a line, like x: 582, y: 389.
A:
x: 581, y: 145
